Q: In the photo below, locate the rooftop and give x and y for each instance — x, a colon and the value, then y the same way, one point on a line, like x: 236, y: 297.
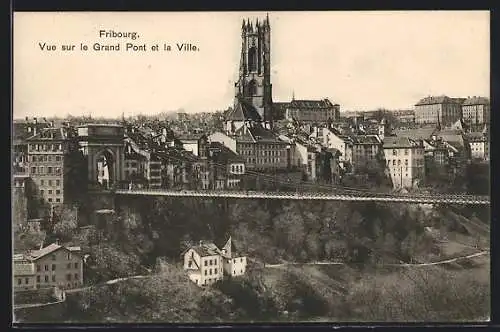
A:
x: 399, y: 142
x: 476, y: 101
x: 430, y: 100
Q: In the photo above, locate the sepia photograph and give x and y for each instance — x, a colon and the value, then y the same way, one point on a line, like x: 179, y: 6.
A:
x: 251, y: 167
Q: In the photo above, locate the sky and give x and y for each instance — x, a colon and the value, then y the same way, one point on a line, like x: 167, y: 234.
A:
x: 360, y: 60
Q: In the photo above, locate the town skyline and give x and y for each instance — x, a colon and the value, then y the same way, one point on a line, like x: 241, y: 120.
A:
x: 391, y: 45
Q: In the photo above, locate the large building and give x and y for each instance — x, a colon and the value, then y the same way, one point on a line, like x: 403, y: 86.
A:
x: 48, y: 159
x: 310, y: 111
x: 438, y: 110
x: 405, y: 161
x: 253, y: 90
x: 54, y: 265
x: 21, y: 130
x: 259, y: 147
x: 476, y: 110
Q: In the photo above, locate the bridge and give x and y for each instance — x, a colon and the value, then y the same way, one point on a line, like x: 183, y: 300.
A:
x: 461, y: 199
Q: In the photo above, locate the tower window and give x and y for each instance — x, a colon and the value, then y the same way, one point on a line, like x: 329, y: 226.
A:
x: 252, y: 59
x: 252, y: 88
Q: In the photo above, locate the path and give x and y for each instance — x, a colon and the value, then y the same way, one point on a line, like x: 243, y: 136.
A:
x: 398, y: 264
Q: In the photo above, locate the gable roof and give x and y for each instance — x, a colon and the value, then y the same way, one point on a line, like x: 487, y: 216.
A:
x: 391, y: 142
x: 310, y: 104
x: 37, y: 254
x: 243, y: 110
x: 206, y: 249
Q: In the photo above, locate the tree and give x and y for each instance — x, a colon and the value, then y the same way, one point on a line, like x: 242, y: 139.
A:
x: 65, y: 223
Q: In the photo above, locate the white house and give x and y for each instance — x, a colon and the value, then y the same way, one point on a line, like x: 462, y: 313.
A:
x: 206, y: 264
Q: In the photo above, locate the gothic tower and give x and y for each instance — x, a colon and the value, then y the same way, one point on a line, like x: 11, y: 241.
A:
x: 254, y: 82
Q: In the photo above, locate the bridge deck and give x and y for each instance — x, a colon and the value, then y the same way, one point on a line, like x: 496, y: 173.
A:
x: 370, y: 197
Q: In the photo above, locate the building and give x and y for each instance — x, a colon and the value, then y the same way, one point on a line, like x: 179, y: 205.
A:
x: 476, y: 110
x: 49, y: 162
x: 333, y: 139
x: 405, y: 116
x: 365, y: 149
x: 192, y: 143
x: 438, y: 110
x: 259, y: 147
x: 404, y: 161
x: 479, y: 144
x: 141, y: 165
x: 253, y: 90
x: 311, y: 111
x: 53, y: 265
x: 206, y: 264
x: 226, y: 167
x: 21, y: 130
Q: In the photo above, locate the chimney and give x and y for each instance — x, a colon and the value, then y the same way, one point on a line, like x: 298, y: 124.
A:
x: 27, y: 119
x: 35, y: 120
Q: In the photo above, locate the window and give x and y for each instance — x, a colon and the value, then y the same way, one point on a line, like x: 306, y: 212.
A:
x: 69, y: 256
x: 58, y: 200
x: 205, y: 272
x: 215, y: 271
x: 252, y: 59
x: 46, y: 267
x: 33, y: 170
x: 210, y: 272
x: 37, y: 278
x: 241, y: 260
x: 76, y: 276
x: 42, y: 182
x: 54, y: 278
x: 206, y: 263
x: 26, y: 281
x: 210, y: 262
x: 46, y: 278
x: 37, y: 268
x: 53, y: 267
x: 50, y: 199
x: 190, y: 264
x: 19, y: 281
x: 58, y: 183
x: 49, y: 170
x: 68, y: 266
x: 50, y: 191
x: 68, y: 277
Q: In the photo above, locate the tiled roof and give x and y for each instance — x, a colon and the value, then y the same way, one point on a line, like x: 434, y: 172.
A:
x: 262, y: 134
x: 399, y: 142
x: 49, y: 134
x: 365, y: 139
x: 206, y: 249
x: 190, y: 137
x: 224, y: 154
x: 439, y: 100
x: 421, y: 133
x: 243, y: 110
x: 314, y: 104
x: 477, y: 101
x: 476, y: 137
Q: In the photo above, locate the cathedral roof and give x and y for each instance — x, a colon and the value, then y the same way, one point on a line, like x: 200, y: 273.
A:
x: 243, y: 110
x: 325, y: 103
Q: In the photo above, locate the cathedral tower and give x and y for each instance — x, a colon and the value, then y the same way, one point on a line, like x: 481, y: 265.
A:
x: 254, y: 83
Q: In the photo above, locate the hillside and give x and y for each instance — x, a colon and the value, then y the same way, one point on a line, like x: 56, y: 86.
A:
x: 369, y: 240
